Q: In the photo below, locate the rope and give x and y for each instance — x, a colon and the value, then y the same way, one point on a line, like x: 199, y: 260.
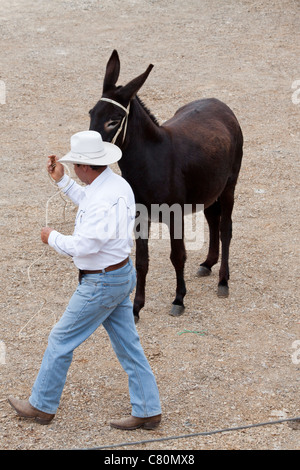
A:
x: 124, y: 120
x: 59, y: 192
x: 116, y: 103
x: 186, y: 436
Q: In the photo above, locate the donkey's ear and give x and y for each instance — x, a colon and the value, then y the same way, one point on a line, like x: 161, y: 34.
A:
x: 129, y: 91
x: 112, y: 71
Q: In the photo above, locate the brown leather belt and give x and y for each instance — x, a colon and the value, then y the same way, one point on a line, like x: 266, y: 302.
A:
x: 105, y: 270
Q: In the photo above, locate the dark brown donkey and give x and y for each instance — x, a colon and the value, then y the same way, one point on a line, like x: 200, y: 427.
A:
x: 192, y: 159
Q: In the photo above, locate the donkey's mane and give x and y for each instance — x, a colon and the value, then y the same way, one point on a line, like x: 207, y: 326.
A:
x: 153, y: 118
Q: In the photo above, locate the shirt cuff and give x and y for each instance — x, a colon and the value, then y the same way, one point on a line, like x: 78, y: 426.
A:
x: 64, y: 182
x: 51, y: 239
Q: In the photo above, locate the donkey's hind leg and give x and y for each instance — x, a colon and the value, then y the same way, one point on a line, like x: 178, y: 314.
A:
x: 227, y: 202
x: 212, y: 214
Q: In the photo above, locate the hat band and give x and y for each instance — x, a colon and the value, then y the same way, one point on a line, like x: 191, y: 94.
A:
x: 90, y: 155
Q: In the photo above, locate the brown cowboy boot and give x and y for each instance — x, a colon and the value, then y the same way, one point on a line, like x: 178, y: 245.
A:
x: 128, y: 424
x: 26, y: 410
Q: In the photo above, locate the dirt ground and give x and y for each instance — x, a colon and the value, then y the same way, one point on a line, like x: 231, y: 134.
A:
x: 238, y: 362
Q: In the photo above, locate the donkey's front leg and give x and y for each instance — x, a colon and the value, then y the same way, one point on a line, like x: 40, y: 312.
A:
x: 142, y: 230
x: 142, y: 265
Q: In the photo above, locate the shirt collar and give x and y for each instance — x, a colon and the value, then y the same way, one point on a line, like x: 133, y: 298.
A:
x: 99, y: 180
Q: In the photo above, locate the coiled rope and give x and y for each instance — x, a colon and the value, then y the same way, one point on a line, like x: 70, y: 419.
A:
x: 58, y: 193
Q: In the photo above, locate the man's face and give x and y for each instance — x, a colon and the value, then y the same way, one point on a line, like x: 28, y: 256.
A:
x: 81, y: 172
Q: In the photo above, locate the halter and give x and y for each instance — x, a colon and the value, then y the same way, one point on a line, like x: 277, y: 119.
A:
x: 124, y: 120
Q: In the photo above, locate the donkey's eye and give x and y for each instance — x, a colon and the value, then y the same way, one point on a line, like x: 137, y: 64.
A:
x: 109, y: 125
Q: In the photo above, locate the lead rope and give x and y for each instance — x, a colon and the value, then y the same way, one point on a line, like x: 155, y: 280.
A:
x: 58, y: 193
x: 124, y: 120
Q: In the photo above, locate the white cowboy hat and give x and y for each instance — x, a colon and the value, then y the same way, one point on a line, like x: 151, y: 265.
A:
x: 88, y: 148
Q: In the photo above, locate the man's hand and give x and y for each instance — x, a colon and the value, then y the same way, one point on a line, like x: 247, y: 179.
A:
x: 45, y: 232
x: 55, y: 169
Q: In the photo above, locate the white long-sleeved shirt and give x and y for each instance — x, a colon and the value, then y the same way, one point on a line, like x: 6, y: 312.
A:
x: 104, y: 222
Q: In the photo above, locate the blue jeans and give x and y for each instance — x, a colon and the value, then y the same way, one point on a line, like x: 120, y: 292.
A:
x: 99, y: 299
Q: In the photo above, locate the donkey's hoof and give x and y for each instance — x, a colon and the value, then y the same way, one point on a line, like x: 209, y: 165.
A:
x: 136, y: 319
x: 177, y: 310
x: 203, y: 271
x: 223, y: 291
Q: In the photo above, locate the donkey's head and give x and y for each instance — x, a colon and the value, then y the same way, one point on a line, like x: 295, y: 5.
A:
x: 109, y: 116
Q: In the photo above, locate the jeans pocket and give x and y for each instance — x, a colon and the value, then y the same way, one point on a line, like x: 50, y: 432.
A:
x: 88, y: 281
x: 113, y: 293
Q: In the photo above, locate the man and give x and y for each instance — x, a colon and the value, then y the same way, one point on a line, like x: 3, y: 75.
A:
x: 100, y: 248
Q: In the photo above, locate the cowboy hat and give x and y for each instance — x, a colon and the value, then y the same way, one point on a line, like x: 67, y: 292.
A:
x: 88, y: 148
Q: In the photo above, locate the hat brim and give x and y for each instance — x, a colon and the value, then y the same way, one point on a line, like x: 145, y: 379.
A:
x: 111, y: 154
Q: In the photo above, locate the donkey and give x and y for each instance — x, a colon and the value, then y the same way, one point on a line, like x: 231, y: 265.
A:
x: 193, y: 158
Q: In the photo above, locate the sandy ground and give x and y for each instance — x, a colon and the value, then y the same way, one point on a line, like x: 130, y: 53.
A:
x: 243, y: 366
